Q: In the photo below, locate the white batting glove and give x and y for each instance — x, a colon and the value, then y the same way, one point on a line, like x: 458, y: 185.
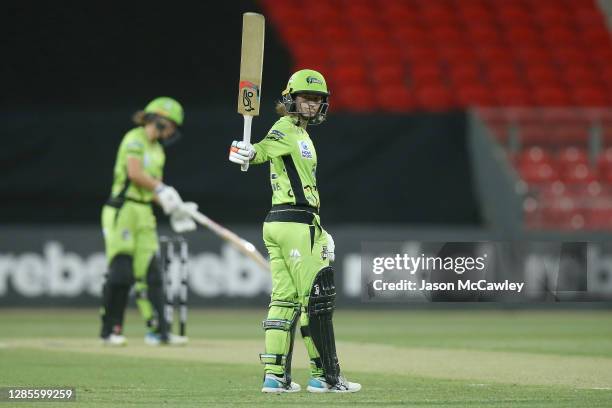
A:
x: 331, y: 248
x: 168, y: 198
x: 241, y: 152
x: 180, y: 219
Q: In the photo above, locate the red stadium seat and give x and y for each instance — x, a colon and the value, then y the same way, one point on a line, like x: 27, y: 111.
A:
x: 534, y: 155
x: 604, y: 161
x: 383, y: 54
x: 579, y: 173
x: 580, y: 74
x: 478, y: 95
x: 331, y: 34
x: 389, y: 73
x: 374, y: 34
x: 522, y: 36
x: 599, y: 218
x: 538, y: 173
x: 455, y: 54
x: 468, y: 72
x: 341, y: 52
x: 353, y: 98
x: 551, y: 96
x: 434, y: 97
x: 395, y: 99
x: 512, y: 96
x: 591, y: 96
x: 572, y: 156
x: 345, y: 75
x: 526, y: 53
x: 425, y: 72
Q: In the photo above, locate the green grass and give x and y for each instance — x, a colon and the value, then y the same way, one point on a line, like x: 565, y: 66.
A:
x: 420, y: 359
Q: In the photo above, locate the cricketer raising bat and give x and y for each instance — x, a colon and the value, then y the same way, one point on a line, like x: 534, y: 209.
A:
x: 251, y: 66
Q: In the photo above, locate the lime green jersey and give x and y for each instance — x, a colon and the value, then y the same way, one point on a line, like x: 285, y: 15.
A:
x: 136, y: 144
x: 293, y: 163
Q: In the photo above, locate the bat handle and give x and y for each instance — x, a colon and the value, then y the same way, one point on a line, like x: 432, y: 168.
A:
x: 246, y: 137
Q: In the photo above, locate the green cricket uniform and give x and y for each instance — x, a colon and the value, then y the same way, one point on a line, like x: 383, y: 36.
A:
x: 293, y: 235
x: 128, y: 223
x: 293, y: 163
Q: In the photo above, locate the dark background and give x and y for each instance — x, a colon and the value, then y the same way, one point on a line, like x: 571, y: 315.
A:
x: 73, y: 73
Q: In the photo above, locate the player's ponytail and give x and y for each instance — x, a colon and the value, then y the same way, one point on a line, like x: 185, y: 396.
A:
x: 281, y: 109
x: 139, y: 118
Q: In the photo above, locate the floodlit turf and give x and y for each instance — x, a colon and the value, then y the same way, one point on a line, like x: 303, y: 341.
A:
x: 421, y: 359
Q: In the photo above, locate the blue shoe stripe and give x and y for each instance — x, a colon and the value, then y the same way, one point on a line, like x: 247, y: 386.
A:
x: 315, y: 383
x: 272, y: 383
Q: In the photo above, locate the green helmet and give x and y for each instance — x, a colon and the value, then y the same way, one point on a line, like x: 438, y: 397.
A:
x: 307, y: 81
x: 166, y: 107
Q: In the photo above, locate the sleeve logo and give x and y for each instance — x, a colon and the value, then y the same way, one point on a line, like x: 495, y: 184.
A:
x: 275, y: 135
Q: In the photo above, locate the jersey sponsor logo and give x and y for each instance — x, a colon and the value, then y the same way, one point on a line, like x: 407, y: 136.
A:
x: 294, y: 253
x: 324, y: 253
x: 305, y: 149
x: 275, y: 135
x: 126, y: 234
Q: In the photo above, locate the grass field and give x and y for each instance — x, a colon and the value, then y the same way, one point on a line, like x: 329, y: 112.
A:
x: 410, y: 358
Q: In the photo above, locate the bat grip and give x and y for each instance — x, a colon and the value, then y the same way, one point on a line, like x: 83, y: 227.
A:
x: 246, y: 137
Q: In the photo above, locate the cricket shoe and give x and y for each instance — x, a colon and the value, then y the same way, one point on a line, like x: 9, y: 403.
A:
x: 274, y: 384
x: 320, y: 385
x: 114, y: 340
x: 176, y: 340
x: 154, y: 339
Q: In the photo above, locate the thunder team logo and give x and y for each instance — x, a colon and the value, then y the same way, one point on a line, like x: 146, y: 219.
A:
x: 248, y: 90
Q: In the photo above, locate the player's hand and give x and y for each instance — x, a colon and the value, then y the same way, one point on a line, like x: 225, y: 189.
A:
x: 168, y: 198
x: 331, y: 248
x: 241, y: 152
x: 180, y: 219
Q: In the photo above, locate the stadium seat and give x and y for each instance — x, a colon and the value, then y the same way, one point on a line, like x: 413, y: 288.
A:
x: 590, y: 96
x: 572, y: 156
x: 604, y: 161
x: 526, y: 53
x: 537, y: 173
x: 354, y: 99
x: 533, y: 156
x: 394, y: 99
x: 434, y: 97
x: 389, y: 73
x: 579, y: 173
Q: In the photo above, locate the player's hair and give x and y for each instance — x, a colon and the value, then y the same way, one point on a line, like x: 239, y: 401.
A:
x: 281, y: 109
x: 139, y: 118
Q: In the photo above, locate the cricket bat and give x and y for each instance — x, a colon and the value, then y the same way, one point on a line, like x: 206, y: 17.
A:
x: 241, y: 244
x: 251, y: 66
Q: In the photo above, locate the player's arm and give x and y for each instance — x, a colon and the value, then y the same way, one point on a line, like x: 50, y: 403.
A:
x: 138, y: 176
x: 275, y: 144
x: 167, y: 197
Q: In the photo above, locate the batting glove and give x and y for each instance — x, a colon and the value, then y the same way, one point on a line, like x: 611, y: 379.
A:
x: 241, y: 152
x: 180, y: 219
x: 168, y: 198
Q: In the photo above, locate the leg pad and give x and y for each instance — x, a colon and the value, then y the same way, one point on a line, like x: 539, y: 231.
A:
x: 321, y: 305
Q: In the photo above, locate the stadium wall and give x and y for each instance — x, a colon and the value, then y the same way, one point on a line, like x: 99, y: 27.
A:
x: 56, y: 167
